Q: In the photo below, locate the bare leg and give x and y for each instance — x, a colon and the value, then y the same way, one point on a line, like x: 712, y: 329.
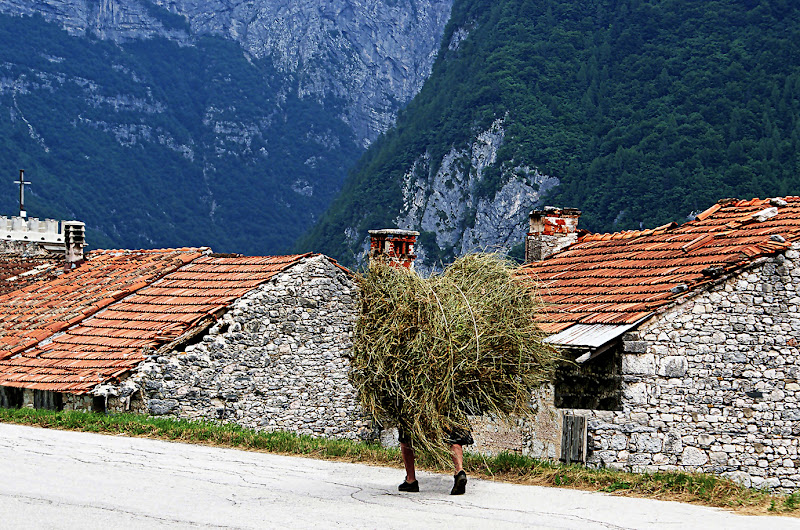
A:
x: 460, y: 478
x: 457, y: 452
x: 407, y: 452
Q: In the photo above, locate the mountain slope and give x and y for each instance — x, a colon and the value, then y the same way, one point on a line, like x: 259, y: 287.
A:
x: 637, y: 112
x: 374, y: 56
x: 183, y: 127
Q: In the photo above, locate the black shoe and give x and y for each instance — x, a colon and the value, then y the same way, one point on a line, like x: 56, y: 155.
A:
x: 460, y: 485
x: 409, y: 486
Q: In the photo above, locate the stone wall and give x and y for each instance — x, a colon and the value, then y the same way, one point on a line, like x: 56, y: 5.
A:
x: 26, y: 249
x: 712, y: 384
x: 538, y: 436
x: 277, y: 360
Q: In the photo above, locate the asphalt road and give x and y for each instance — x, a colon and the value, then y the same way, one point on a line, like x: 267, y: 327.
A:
x: 59, y: 479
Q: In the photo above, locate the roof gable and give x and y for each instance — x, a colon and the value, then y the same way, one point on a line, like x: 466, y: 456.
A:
x: 115, y: 340
x: 621, y: 278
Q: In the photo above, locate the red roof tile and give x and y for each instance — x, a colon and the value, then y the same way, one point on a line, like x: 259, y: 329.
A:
x: 116, y: 339
x: 53, y: 303
x: 622, y: 278
x: 17, y: 272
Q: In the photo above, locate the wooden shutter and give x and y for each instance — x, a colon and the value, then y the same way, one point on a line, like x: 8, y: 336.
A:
x: 573, y: 439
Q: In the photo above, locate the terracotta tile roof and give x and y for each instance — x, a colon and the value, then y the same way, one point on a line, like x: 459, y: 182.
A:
x: 621, y: 278
x: 115, y: 340
x: 44, y: 307
x: 17, y: 272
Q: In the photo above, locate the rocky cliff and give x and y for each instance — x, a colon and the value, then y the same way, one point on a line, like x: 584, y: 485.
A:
x: 447, y: 207
x: 230, y: 124
x: 374, y: 55
x: 640, y: 112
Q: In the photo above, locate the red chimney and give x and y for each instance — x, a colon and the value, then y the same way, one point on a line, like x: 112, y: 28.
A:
x: 395, y: 247
x: 551, y: 230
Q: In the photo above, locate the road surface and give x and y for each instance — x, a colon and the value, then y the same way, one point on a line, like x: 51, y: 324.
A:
x: 60, y: 479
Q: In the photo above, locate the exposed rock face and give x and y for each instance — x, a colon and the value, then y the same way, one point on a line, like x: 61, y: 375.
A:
x: 375, y: 56
x: 449, y: 205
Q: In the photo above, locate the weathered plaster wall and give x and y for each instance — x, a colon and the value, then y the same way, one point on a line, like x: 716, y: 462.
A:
x: 277, y: 360
x: 25, y: 249
x: 713, y: 384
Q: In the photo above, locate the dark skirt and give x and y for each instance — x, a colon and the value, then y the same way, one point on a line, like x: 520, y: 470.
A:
x: 454, y: 437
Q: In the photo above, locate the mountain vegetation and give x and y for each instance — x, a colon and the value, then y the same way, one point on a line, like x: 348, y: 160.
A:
x: 647, y: 111
x: 157, y: 144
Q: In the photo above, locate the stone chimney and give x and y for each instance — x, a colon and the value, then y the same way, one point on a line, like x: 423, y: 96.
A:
x: 551, y: 230
x: 395, y: 247
x: 75, y: 240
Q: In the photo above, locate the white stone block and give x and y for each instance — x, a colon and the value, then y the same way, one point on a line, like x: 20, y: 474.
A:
x: 618, y: 442
x: 692, y: 456
x: 639, y: 364
x: 673, y: 366
x: 636, y: 393
x: 705, y: 440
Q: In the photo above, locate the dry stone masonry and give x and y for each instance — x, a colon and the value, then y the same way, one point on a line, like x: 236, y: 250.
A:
x: 713, y: 383
x: 277, y: 360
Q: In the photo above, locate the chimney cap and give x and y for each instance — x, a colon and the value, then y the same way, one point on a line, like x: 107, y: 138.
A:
x: 393, y: 232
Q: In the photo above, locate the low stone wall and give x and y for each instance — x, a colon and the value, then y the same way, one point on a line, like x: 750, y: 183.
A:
x: 277, y: 360
x: 713, y: 384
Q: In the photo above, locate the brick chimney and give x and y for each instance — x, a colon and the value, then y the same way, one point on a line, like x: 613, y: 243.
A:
x: 396, y: 247
x: 551, y: 230
x: 75, y: 240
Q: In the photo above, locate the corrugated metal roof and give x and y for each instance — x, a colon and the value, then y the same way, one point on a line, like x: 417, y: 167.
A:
x: 589, y: 336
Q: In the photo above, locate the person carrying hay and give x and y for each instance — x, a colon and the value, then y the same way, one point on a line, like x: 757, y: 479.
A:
x: 457, y: 441
x: 428, y: 353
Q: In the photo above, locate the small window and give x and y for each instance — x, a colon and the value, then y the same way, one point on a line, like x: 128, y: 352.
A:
x: 99, y: 404
x: 595, y: 384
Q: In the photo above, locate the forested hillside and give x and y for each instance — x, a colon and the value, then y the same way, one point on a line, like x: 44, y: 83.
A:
x: 645, y: 111
x: 201, y: 122
x: 155, y: 144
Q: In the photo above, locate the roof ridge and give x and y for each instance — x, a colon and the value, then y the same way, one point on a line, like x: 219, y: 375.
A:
x: 148, y: 250
x: 628, y: 234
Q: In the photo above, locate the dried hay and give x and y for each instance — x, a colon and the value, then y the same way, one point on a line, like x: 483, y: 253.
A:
x: 428, y: 352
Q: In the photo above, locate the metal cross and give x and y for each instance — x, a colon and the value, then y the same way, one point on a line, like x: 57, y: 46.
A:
x: 22, y: 183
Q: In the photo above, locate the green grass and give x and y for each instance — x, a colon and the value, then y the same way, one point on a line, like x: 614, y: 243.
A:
x: 695, y: 488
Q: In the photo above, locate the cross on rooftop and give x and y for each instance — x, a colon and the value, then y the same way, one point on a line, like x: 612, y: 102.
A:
x: 22, y: 183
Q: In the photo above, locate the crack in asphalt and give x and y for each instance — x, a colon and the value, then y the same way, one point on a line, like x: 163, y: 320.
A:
x: 115, y: 509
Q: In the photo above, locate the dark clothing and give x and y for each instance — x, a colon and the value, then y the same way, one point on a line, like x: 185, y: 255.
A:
x: 454, y: 437
x: 459, y: 437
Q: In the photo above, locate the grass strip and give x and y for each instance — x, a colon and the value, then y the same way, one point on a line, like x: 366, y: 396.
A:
x: 695, y: 488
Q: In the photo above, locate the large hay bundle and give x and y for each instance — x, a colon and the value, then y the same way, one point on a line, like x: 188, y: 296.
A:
x: 430, y: 351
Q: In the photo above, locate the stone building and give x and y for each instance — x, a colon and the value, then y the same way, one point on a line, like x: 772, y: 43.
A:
x: 262, y: 341
x: 685, y: 342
